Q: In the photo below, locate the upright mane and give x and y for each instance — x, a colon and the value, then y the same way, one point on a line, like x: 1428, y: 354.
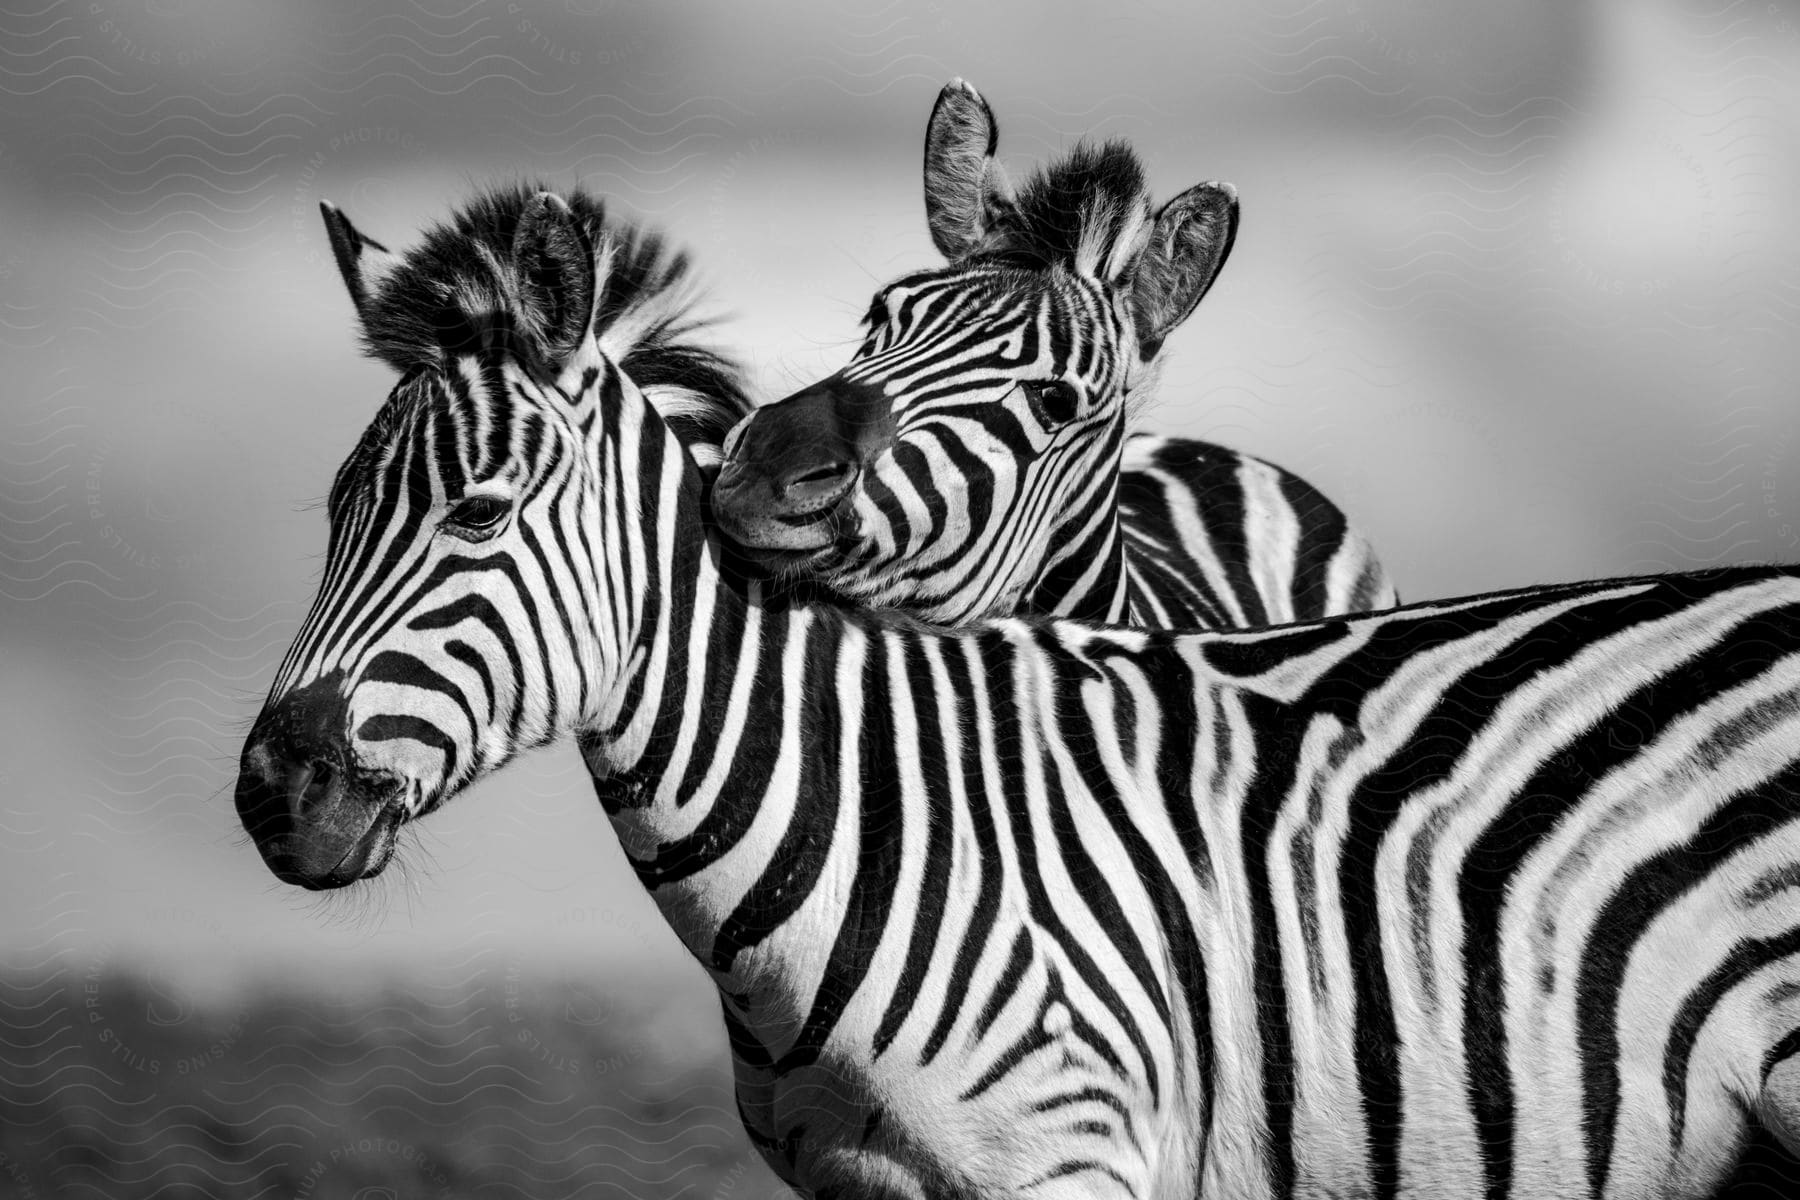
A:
x: 1074, y: 211
x: 457, y: 282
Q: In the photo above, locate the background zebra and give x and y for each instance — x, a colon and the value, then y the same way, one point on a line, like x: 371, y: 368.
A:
x: 973, y: 457
x: 1491, y: 896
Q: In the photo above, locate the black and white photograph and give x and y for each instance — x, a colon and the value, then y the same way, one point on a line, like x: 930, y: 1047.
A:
x: 899, y: 600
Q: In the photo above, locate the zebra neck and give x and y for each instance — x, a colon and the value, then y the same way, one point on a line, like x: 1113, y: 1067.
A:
x: 660, y: 570
x: 685, y: 708
x: 1088, y: 583
x: 1083, y: 576
x: 737, y: 790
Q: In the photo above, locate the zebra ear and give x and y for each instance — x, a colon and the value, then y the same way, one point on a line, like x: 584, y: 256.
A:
x: 554, y: 264
x: 1188, y: 244
x: 363, y: 262
x: 966, y: 189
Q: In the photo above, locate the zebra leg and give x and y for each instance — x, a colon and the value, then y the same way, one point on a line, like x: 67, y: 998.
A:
x: 1778, y: 1104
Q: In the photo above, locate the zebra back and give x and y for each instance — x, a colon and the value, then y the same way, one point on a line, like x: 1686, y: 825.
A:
x: 1217, y: 539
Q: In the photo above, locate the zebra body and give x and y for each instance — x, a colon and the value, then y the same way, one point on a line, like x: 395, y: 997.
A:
x: 1488, y: 897
x: 1217, y: 539
x: 1313, y: 944
x: 972, y: 459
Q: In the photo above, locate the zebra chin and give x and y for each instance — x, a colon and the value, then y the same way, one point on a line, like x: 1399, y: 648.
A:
x: 784, y: 551
x: 779, y: 536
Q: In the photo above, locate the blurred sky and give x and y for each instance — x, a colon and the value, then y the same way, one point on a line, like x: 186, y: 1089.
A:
x: 1516, y: 284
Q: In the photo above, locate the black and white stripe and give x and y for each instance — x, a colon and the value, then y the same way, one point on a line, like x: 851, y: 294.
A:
x: 1218, y: 539
x: 1489, y: 897
x: 973, y: 458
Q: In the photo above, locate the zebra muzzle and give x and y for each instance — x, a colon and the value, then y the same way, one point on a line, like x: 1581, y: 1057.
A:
x: 789, y: 465
x: 317, y: 823
x: 791, y: 510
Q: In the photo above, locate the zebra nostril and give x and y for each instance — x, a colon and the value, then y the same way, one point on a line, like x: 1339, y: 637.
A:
x: 311, y: 785
x: 814, y: 486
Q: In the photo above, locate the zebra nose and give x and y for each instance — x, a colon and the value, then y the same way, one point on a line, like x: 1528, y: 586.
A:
x: 275, y: 794
x: 815, y: 486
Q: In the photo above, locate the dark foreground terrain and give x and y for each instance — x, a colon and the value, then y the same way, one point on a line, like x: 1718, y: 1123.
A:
x: 118, y: 1086
x: 494, y: 1081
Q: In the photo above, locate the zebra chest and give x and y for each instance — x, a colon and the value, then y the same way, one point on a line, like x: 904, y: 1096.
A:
x: 851, y: 1128
x: 977, y: 1093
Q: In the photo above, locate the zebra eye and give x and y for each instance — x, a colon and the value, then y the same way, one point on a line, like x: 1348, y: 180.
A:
x: 476, y: 515
x: 1053, y: 402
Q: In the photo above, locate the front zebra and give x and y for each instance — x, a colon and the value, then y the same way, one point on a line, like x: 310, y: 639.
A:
x: 1487, y: 897
x: 973, y: 458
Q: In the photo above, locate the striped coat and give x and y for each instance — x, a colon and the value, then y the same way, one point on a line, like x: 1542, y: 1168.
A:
x: 1488, y: 897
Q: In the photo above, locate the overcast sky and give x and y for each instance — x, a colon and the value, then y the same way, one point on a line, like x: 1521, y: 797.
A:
x: 1515, y: 284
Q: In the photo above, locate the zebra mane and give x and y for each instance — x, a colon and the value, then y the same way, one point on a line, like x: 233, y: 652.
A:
x: 1082, y: 210
x: 457, y: 280
x: 1090, y: 210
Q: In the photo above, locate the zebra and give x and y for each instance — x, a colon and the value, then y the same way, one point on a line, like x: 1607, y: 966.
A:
x: 1492, y: 896
x: 973, y: 458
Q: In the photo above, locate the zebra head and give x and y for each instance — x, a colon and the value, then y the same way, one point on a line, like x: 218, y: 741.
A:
x: 972, y: 444
x: 462, y: 616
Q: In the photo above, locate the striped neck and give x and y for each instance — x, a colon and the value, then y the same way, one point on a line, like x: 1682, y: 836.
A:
x: 693, y: 651
x: 704, y: 722
x: 659, y: 566
x: 1082, y: 575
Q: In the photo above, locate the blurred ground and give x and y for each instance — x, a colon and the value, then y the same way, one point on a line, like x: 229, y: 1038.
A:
x: 502, y: 1083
